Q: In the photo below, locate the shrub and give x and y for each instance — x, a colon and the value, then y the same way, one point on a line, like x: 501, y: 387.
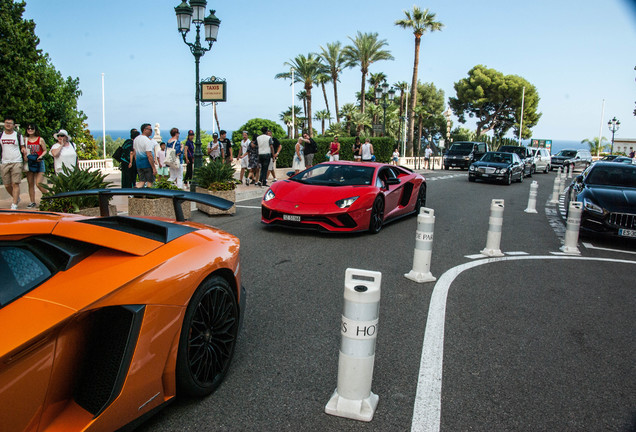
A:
x: 215, y: 176
x: 72, y: 180
x: 164, y: 184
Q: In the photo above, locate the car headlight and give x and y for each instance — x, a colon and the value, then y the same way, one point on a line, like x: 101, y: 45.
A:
x: 592, y: 207
x: 445, y: 157
x: 269, y: 195
x: 466, y: 157
x: 472, y: 168
x: 502, y: 170
x: 345, y: 203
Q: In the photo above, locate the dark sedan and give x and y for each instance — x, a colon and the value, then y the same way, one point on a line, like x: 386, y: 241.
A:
x: 499, y: 166
x: 608, y: 193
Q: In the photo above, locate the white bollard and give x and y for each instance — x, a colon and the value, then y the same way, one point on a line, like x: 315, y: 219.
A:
x: 359, y: 328
x: 532, y: 199
x: 570, y: 169
x: 556, y: 190
x: 423, y: 247
x: 570, y: 245
x: 495, y: 225
x: 559, y: 172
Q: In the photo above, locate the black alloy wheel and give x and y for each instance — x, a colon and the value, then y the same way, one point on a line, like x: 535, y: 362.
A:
x: 521, y: 177
x: 377, y: 215
x: 208, y: 337
x: 421, y: 199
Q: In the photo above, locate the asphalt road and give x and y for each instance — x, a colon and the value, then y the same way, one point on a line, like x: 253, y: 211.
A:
x: 532, y: 341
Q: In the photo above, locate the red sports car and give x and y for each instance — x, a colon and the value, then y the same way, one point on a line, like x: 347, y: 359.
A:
x: 344, y: 196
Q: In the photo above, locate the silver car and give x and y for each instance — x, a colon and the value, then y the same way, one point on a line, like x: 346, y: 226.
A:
x: 542, y: 161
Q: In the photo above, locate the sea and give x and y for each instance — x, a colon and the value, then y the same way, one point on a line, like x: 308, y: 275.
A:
x: 557, y: 145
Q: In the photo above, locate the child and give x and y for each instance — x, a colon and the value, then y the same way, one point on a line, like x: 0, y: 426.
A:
x: 163, y: 171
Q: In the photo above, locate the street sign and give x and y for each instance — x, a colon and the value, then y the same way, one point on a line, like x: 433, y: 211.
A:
x: 213, y: 90
x: 541, y: 143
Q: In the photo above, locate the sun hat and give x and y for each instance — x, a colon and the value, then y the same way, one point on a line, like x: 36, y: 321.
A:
x: 62, y: 132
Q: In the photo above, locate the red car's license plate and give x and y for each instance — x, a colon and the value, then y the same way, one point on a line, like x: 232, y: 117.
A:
x: 293, y: 218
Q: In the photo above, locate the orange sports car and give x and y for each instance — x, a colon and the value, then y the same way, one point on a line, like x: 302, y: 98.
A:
x: 105, y: 320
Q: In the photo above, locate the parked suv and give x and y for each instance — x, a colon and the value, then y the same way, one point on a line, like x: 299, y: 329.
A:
x: 580, y: 159
x: 541, y: 159
x: 462, y: 154
x: 524, y: 155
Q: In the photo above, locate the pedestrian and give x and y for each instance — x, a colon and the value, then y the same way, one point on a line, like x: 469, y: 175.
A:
x: 189, y: 157
x: 127, y: 165
x: 226, y: 148
x: 395, y: 156
x: 163, y: 171
x: 243, y: 157
x: 265, y: 151
x: 253, y: 163
x: 310, y: 149
x: 63, y: 152
x: 36, y: 150
x: 276, y: 148
x: 299, y: 161
x: 176, y: 172
x: 214, y: 148
x: 13, y: 154
x: 428, y: 154
x: 334, y: 149
x: 355, y: 149
x: 144, y: 157
x: 366, y: 151
x: 631, y: 153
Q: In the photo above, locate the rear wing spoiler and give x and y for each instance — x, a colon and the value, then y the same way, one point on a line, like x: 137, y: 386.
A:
x: 178, y: 197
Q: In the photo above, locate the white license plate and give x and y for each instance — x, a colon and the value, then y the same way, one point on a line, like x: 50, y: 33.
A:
x: 293, y: 218
x: 627, y: 233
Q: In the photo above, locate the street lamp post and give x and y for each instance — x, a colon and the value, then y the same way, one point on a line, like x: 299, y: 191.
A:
x: 195, y: 12
x: 613, y: 125
x: 381, y: 93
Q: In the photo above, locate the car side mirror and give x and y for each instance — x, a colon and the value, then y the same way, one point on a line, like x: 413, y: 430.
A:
x: 579, y: 178
x: 393, y: 181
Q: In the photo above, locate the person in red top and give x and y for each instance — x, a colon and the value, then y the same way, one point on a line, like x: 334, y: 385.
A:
x: 334, y: 150
x: 36, y: 150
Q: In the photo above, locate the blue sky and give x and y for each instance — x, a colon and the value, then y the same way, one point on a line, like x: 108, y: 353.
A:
x: 575, y: 52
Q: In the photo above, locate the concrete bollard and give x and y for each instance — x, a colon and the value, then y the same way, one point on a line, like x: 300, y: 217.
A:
x: 421, y: 271
x: 556, y: 190
x: 532, y: 199
x: 495, y: 225
x: 559, y: 172
x: 359, y: 328
x: 570, y: 169
x: 570, y: 245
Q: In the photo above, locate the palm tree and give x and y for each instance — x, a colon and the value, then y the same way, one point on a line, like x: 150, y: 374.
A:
x: 347, y: 111
x: 302, y: 96
x: 323, y: 115
x: 334, y: 61
x: 420, y: 21
x: 286, y: 117
x: 321, y: 79
x: 360, y: 120
x: 306, y: 69
x: 595, y: 148
x: 366, y: 49
x: 375, y: 80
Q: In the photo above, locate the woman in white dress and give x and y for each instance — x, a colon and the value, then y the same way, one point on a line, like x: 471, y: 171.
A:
x: 299, y: 158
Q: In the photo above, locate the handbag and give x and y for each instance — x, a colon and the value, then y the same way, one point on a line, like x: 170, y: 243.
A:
x: 33, y: 163
x: 171, y: 158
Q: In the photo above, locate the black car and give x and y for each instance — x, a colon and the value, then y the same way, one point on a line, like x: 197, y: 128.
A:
x: 526, y: 157
x: 608, y: 193
x: 580, y: 159
x: 499, y: 166
x: 461, y: 154
x: 623, y: 159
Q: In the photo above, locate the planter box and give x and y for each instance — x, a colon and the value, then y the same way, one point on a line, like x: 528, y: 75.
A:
x: 228, y: 195
x: 157, y: 207
x: 94, y: 211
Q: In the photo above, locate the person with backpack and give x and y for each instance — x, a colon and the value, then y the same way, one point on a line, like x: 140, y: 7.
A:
x: 63, y: 152
x: 127, y: 161
x: 176, y: 171
x: 12, y: 153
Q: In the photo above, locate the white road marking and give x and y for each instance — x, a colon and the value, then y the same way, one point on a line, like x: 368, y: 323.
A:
x: 591, y: 246
x: 428, y: 399
x: 477, y: 256
x: 250, y: 207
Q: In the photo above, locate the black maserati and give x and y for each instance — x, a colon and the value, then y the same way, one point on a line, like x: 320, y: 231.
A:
x: 608, y: 193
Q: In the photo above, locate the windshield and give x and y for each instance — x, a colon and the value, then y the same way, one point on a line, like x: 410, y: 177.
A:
x: 336, y: 175
x: 521, y: 151
x: 567, y: 153
x: 620, y: 175
x: 461, y: 148
x: 497, y: 157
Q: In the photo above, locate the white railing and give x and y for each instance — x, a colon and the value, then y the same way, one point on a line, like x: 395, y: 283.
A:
x: 412, y: 162
x: 106, y: 166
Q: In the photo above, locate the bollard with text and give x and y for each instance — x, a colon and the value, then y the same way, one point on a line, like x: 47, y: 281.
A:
x: 421, y: 271
x: 359, y: 328
x: 495, y: 225
x: 532, y: 199
x: 570, y: 244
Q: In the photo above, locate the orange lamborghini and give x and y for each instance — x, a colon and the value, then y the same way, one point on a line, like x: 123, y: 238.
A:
x: 105, y: 320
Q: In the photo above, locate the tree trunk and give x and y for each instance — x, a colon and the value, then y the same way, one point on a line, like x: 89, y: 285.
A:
x: 334, y: 79
x: 364, y: 77
x: 309, y: 119
x: 323, y: 126
x: 324, y: 93
x: 216, y: 117
x: 409, y: 145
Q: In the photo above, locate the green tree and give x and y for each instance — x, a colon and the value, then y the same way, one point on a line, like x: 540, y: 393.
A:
x: 306, y: 70
x: 323, y: 78
x: 431, y: 101
x: 595, y: 148
x: 494, y: 100
x: 334, y: 60
x: 420, y: 21
x: 365, y: 50
x: 254, y: 126
x: 32, y: 89
x: 323, y: 115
